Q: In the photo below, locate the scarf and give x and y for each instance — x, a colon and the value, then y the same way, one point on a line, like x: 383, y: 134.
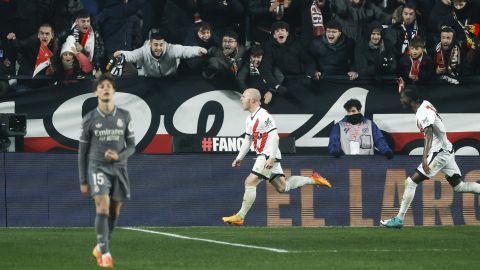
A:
x: 415, y: 68
x: 471, y: 31
x: 317, y: 20
x: 279, y: 12
x: 380, y: 47
x: 451, y: 61
x: 87, y: 42
x: 43, y: 58
x: 408, y: 37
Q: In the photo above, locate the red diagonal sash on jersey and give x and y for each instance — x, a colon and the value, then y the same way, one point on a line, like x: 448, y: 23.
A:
x: 43, y: 58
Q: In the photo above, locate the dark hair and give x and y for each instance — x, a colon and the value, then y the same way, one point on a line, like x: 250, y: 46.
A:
x: 203, y: 26
x: 353, y: 103
x: 103, y: 77
x: 47, y: 25
x: 410, y: 5
x: 256, y: 50
x: 156, y: 35
x: 334, y: 24
x: 82, y: 13
x: 412, y: 93
x: 230, y: 33
x: 280, y: 25
x: 447, y: 29
x: 417, y: 42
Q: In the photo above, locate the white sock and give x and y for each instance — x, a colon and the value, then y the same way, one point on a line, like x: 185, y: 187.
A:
x: 296, y: 181
x: 470, y: 187
x: 407, y: 199
x: 248, y: 200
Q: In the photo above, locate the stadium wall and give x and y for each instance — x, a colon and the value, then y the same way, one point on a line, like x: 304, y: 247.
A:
x: 198, y: 189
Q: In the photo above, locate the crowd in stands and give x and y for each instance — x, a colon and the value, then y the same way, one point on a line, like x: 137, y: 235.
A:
x: 256, y: 43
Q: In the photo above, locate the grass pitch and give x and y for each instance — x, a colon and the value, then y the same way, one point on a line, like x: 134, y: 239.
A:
x: 246, y: 248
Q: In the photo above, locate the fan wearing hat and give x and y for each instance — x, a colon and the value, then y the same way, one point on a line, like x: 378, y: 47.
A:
x: 72, y: 63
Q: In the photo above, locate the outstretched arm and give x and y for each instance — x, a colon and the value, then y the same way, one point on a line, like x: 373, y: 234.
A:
x: 243, y: 151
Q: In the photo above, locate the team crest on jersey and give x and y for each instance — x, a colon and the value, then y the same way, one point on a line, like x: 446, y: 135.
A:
x: 268, y: 123
x: 365, y: 130
x: 98, y: 125
x: 119, y: 123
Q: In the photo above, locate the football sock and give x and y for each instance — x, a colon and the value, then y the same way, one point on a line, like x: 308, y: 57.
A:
x: 407, y: 199
x: 101, y: 228
x: 112, y: 222
x: 296, y: 181
x: 470, y: 187
x: 248, y: 200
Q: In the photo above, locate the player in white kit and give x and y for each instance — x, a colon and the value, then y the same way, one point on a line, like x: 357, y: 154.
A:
x: 262, y: 132
x: 438, y: 155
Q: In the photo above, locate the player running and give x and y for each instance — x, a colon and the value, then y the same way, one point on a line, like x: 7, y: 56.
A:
x: 438, y: 155
x: 262, y: 132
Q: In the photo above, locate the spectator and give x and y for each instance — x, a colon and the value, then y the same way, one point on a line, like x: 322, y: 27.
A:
x: 265, y: 12
x: 355, y: 16
x: 447, y: 56
x: 159, y: 58
x: 255, y: 74
x: 315, y: 14
x: 289, y: 55
x: 376, y: 56
x: 202, y: 36
x: 227, y: 60
x: 72, y: 64
x: 119, y: 26
x: 403, y: 31
x: 36, y: 51
x: 334, y: 53
x: 417, y: 65
x: 87, y: 39
x: 356, y: 135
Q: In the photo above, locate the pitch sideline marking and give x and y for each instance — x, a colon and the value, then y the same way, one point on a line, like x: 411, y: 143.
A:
x: 277, y: 250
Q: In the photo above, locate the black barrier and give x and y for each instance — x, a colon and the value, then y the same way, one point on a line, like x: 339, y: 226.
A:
x: 162, y: 108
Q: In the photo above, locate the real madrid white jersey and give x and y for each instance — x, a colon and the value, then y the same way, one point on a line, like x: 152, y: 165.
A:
x: 426, y: 116
x: 259, y: 125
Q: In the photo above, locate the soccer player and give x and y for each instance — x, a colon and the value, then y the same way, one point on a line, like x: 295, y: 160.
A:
x: 107, y: 140
x: 438, y: 155
x: 262, y: 132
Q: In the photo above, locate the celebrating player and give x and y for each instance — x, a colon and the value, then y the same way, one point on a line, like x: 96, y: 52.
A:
x: 107, y: 140
x: 261, y: 129
x: 438, y: 155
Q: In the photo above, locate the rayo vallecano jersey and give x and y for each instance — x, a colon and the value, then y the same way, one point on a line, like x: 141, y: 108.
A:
x: 259, y: 125
x: 106, y: 131
x: 427, y: 115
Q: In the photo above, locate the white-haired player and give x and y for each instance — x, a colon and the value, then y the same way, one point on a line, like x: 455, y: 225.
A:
x: 262, y: 132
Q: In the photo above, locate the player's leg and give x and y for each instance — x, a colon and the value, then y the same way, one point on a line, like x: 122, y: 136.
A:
x: 114, y: 213
x: 455, y: 179
x: 411, y: 184
x: 100, y: 185
x: 283, y: 184
x: 102, y: 206
x: 249, y: 196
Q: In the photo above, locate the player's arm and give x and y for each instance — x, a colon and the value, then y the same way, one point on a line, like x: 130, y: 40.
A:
x: 247, y: 142
x: 427, y: 146
x: 129, y: 149
x: 275, y: 139
x: 83, y: 147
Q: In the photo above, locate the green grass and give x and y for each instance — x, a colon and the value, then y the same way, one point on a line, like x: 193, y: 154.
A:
x: 309, y: 248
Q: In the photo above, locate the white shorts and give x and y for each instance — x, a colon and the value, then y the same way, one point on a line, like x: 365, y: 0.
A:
x: 441, y: 161
x: 264, y: 173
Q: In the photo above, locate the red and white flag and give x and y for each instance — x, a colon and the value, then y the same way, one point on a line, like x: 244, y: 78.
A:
x: 43, y: 58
